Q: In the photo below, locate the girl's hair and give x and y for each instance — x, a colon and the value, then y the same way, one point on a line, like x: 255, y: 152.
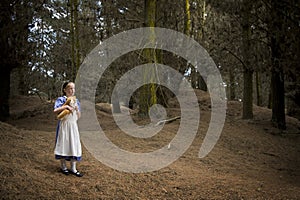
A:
x: 64, y: 86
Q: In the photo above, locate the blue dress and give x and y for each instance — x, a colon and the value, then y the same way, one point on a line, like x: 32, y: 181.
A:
x: 67, y: 145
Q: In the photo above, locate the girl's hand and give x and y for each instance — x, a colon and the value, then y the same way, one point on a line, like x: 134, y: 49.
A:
x: 70, y: 108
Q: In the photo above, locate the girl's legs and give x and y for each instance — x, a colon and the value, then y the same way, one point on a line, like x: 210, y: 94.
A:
x: 63, y: 164
x: 74, y: 170
x: 73, y: 166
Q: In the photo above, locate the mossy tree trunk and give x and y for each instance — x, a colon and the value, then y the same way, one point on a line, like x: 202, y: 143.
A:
x: 148, y: 95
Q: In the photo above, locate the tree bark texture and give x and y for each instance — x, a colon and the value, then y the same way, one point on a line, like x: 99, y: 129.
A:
x: 4, y: 92
x: 148, y: 95
x: 277, y: 38
x: 248, y: 71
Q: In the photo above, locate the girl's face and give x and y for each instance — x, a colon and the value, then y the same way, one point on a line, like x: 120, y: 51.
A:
x: 70, y: 89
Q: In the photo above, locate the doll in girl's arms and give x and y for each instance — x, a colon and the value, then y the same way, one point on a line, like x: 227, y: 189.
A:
x: 71, y: 101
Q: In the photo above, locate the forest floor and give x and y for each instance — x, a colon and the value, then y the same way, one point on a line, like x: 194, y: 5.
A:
x: 252, y: 160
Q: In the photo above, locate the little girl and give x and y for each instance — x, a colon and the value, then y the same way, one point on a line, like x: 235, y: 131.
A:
x: 67, y: 145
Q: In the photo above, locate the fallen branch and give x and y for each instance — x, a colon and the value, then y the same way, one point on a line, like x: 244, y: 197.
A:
x: 167, y: 120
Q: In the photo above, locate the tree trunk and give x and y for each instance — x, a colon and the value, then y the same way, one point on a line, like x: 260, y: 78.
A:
x: 248, y: 71
x: 196, y: 79
x: 277, y: 30
x: 77, y: 44
x: 72, y: 37
x: 258, y: 86
x: 7, y: 56
x: 148, y: 95
x: 202, y: 10
x: 278, y: 104
x: 74, y: 32
x: 187, y: 27
x: 4, y: 92
x: 231, y: 84
x: 270, y: 99
x: 193, y: 76
x: 247, y: 95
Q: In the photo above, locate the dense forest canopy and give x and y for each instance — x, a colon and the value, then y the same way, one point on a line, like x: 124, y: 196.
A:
x: 255, y: 45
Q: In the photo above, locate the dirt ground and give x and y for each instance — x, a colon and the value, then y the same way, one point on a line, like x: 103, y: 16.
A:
x: 252, y: 160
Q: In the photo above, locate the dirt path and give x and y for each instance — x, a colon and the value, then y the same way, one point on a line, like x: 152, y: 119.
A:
x: 250, y: 161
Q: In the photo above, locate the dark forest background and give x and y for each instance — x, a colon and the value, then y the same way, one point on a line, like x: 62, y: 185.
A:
x: 255, y: 45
